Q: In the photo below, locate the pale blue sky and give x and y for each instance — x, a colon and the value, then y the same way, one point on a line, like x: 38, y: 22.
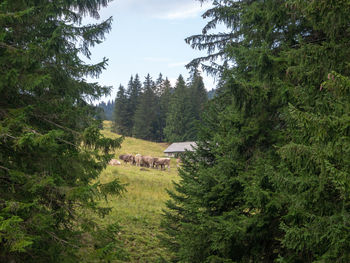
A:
x: 148, y: 37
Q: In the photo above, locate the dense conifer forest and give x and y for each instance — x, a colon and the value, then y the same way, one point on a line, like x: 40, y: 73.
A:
x: 156, y: 111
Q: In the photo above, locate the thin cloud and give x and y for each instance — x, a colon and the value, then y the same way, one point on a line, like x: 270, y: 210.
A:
x: 164, y: 9
x: 184, y: 11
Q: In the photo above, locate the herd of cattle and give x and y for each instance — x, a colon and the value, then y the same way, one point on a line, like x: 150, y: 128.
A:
x: 144, y: 161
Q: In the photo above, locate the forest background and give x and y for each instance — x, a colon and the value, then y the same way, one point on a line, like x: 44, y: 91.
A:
x: 156, y: 111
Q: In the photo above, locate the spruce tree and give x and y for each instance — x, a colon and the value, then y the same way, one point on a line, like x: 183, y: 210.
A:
x: 313, y: 180
x: 145, y: 118
x: 51, y: 150
x: 122, y: 121
x: 164, y: 101
x: 137, y: 86
x: 269, y: 180
x: 198, y: 98
x: 179, y: 120
x: 133, y: 93
x: 158, y: 125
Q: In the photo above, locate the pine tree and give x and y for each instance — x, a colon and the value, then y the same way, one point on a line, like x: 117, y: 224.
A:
x: 145, y: 118
x: 198, y: 97
x: 51, y: 150
x: 121, y: 113
x: 159, y: 85
x: 179, y: 118
x: 158, y: 125
x: 268, y: 182
x: 164, y: 101
x: 132, y: 94
x: 137, y: 86
x: 314, y: 171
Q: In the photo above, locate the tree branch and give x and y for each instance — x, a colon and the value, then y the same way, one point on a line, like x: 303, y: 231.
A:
x: 61, y: 240
x: 4, y: 168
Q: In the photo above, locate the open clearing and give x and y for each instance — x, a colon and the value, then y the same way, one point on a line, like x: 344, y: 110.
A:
x: 139, y: 210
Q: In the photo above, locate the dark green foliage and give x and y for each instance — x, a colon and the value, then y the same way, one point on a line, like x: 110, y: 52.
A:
x: 125, y: 106
x: 51, y: 150
x: 198, y: 97
x: 145, y: 118
x: 133, y: 92
x: 185, y: 107
x: 179, y: 120
x: 270, y: 179
x: 166, y: 92
x: 122, y: 116
x: 142, y: 111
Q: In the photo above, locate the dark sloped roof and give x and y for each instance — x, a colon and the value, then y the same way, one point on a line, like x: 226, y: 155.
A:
x: 180, y: 147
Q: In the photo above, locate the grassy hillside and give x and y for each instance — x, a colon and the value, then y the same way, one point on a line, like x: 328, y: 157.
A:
x: 139, y: 210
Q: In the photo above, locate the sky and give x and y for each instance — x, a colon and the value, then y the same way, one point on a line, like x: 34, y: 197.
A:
x: 147, y: 36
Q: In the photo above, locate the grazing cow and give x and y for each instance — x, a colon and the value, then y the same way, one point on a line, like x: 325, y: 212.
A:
x: 154, y: 162
x: 148, y: 161
x: 127, y: 158
x: 163, y: 162
x: 114, y: 162
x: 138, y: 159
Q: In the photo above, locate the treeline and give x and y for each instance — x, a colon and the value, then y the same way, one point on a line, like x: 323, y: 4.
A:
x: 156, y: 111
x: 106, y: 109
x: 270, y: 180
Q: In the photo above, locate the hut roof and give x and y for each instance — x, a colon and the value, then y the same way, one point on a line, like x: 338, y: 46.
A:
x: 180, y: 147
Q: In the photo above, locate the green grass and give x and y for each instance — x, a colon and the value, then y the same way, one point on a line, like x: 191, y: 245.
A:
x: 135, y: 146
x: 139, y: 210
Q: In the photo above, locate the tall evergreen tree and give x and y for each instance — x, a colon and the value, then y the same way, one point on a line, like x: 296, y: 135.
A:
x: 268, y: 182
x: 145, y: 118
x: 137, y: 86
x: 122, y: 121
x: 51, y: 151
x: 158, y: 88
x: 198, y: 97
x: 159, y: 85
x: 314, y: 171
x: 133, y: 92
x: 179, y: 118
x: 164, y: 101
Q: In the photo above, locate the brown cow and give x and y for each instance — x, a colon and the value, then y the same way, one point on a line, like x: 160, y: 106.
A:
x: 127, y: 158
x: 163, y: 162
x: 148, y: 161
x: 138, y: 159
x: 155, y: 159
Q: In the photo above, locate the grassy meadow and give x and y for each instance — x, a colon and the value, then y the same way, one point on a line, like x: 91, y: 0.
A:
x: 139, y: 210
